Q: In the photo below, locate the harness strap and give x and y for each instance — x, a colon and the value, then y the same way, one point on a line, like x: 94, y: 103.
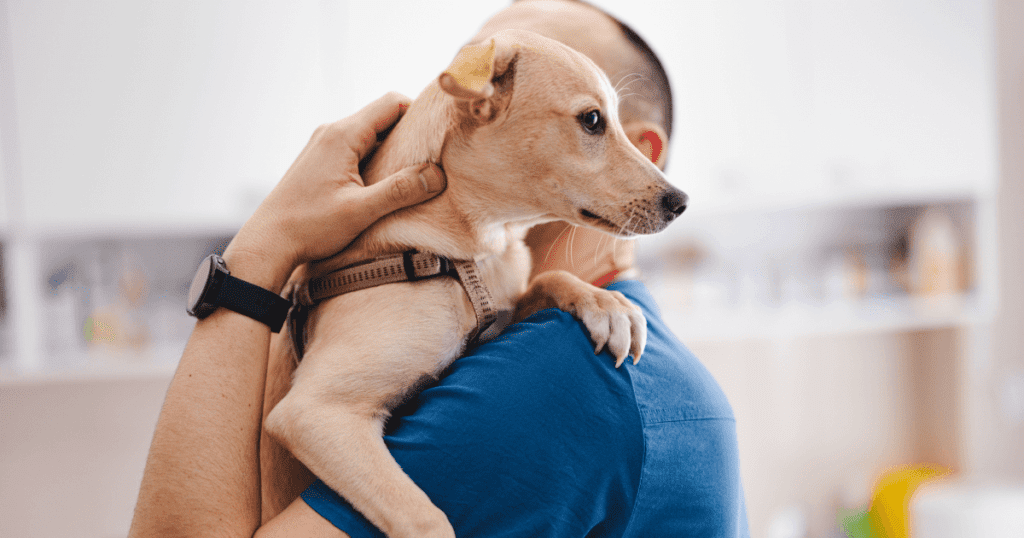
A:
x: 483, y: 305
x: 408, y: 266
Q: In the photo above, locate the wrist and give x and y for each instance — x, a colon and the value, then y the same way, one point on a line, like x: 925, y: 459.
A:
x: 267, y: 270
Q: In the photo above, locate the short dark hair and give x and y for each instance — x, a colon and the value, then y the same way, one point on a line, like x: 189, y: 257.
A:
x: 655, y: 79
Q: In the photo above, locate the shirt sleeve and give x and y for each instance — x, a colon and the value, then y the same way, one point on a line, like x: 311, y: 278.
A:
x: 531, y: 434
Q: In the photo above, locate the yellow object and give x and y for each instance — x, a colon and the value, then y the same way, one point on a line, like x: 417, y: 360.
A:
x: 890, y: 503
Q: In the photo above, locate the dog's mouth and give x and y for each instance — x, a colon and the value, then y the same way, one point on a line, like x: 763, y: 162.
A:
x: 600, y: 222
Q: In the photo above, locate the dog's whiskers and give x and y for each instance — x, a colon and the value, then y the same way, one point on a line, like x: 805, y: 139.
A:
x: 629, y: 221
x: 622, y: 230
x: 625, y: 82
x: 572, y: 236
x: 598, y: 249
x: 553, y: 243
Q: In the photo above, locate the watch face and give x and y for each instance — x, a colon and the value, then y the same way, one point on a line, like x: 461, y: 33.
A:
x: 198, y: 287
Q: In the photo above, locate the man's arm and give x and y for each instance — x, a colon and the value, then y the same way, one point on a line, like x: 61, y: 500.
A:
x: 299, y: 521
x: 202, y: 474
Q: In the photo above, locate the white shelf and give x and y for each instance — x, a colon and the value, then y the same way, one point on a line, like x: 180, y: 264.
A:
x: 128, y: 229
x: 869, y: 315
x: 725, y: 204
x: 97, y: 366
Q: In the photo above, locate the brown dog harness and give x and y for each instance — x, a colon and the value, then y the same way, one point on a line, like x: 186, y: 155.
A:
x: 408, y: 266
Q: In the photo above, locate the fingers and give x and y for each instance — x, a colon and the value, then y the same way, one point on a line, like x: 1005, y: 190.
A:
x: 404, y: 188
x: 375, y: 120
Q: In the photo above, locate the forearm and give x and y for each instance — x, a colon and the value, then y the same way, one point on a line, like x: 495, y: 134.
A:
x: 202, y: 476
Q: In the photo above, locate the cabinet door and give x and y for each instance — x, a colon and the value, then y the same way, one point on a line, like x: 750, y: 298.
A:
x: 161, y: 113
x: 778, y: 99
x: 902, y: 91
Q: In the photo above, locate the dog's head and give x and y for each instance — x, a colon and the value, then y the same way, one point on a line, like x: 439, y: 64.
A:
x: 537, y: 136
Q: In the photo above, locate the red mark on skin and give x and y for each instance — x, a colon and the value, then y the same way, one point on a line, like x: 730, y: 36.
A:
x: 655, y: 141
x: 606, y: 279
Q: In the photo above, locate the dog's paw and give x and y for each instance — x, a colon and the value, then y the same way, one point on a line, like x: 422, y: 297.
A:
x: 612, y: 320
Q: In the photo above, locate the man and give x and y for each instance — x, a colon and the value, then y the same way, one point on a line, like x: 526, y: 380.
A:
x: 529, y: 434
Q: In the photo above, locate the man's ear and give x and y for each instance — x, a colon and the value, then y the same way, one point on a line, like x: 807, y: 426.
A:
x: 649, y: 138
x: 472, y: 74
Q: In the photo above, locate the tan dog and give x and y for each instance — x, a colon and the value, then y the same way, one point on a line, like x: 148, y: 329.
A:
x: 527, y: 131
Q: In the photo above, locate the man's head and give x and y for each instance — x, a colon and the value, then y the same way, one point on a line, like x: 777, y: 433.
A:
x: 645, y: 110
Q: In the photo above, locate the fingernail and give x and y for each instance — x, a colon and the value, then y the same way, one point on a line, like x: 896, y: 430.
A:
x: 432, y: 178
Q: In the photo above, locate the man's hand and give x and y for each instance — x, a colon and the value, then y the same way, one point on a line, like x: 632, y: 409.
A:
x: 321, y: 204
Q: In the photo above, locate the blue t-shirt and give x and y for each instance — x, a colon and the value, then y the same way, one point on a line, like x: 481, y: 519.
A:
x: 531, y: 434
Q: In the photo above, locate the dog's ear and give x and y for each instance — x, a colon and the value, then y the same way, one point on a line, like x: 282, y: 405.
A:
x: 472, y: 74
x: 649, y: 138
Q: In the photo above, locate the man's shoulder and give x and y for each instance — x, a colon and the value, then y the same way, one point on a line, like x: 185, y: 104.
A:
x: 541, y: 364
x: 553, y: 349
x: 670, y: 382
x: 547, y: 361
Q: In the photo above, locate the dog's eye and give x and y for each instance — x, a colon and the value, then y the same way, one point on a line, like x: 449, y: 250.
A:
x: 592, y: 121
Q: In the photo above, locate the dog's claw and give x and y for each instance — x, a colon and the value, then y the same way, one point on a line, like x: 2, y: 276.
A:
x: 614, y: 323
x: 600, y: 330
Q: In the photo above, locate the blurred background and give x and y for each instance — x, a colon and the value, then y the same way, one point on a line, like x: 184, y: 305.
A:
x: 849, y: 268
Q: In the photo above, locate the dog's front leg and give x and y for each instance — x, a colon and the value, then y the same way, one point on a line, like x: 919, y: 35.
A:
x: 609, y: 316
x: 357, y: 464
x: 367, y: 350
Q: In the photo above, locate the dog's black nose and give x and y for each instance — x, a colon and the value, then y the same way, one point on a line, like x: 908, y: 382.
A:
x: 674, y: 202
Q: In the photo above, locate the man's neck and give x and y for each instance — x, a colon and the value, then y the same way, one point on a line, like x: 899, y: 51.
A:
x: 593, y: 256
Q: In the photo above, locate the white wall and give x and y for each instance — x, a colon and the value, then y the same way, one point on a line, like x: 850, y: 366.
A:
x: 996, y: 394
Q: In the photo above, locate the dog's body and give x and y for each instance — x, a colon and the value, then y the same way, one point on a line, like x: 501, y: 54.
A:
x: 510, y: 124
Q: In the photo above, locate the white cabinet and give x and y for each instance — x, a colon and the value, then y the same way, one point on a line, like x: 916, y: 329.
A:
x: 786, y: 100
x: 160, y: 113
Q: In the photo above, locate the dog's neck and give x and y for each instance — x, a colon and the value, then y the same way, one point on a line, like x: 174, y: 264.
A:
x: 455, y: 223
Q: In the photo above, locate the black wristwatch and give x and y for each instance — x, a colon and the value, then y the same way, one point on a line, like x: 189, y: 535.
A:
x: 213, y: 286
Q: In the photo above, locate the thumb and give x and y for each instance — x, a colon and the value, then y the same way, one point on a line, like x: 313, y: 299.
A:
x: 406, y: 187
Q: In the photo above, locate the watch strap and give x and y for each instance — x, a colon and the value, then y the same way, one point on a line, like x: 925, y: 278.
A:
x: 253, y: 301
